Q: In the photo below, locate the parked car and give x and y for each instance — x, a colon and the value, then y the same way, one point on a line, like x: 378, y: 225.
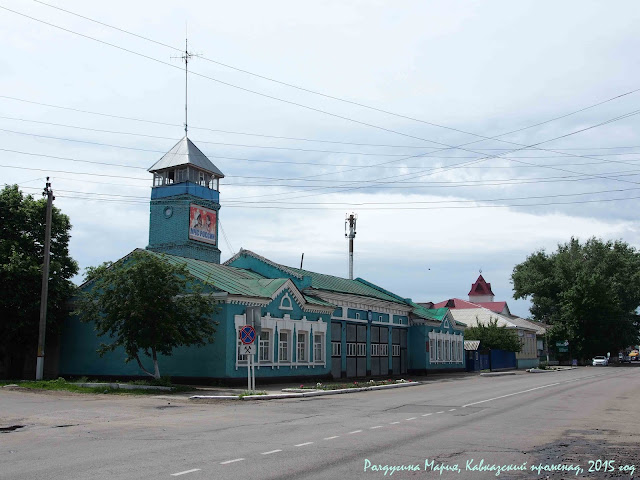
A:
x: 624, y: 358
x: 600, y: 361
x: 634, y: 355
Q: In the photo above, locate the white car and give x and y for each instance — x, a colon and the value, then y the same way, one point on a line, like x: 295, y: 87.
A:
x: 600, y: 361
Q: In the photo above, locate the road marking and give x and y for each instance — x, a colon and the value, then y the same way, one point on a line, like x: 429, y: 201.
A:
x: 512, y: 394
x: 355, y: 431
x: 269, y: 453
x: 394, y: 423
x: 331, y: 438
x: 377, y: 426
x: 303, y: 444
x: 232, y: 461
x: 452, y: 410
x: 186, y: 471
x: 412, y: 418
x: 427, y: 414
x: 441, y: 411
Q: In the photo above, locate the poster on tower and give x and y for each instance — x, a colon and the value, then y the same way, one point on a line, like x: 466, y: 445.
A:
x: 202, y: 224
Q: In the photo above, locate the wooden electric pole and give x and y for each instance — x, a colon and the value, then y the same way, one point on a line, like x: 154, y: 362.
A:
x: 45, y: 282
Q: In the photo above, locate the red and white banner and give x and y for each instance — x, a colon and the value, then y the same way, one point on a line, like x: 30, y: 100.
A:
x: 202, y: 224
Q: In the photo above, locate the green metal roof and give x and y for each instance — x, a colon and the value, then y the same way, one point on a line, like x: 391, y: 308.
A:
x: 234, y: 281
x: 436, y: 314
x: 330, y: 283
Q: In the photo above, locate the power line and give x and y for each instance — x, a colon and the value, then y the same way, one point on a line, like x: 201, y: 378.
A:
x: 200, y: 141
x: 332, y: 97
x: 120, y: 117
x: 299, y: 104
x: 431, y: 171
x: 434, y: 184
x: 377, y: 208
x: 360, y: 204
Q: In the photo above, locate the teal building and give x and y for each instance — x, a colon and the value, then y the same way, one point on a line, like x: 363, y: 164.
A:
x: 313, y: 325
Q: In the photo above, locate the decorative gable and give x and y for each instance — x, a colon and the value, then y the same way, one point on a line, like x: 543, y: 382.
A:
x: 285, y: 302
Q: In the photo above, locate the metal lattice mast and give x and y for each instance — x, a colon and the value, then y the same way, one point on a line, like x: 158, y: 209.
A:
x: 351, y: 221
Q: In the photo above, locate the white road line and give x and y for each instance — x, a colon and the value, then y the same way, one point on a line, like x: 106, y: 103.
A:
x: 186, y: 471
x: 441, y: 411
x: 331, y: 438
x: 269, y: 453
x: 303, y: 444
x: 427, y: 414
x: 232, y: 461
x: 511, y: 394
x: 394, y: 423
x: 412, y: 418
x: 452, y: 410
x: 355, y: 431
x: 377, y: 426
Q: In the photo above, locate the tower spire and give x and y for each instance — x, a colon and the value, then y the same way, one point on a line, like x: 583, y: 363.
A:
x: 185, y: 58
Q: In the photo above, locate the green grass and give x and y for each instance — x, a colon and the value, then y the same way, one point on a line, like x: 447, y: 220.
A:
x: 246, y: 393
x: 61, y: 384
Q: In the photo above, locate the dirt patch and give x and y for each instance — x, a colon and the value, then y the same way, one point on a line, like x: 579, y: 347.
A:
x: 600, y: 453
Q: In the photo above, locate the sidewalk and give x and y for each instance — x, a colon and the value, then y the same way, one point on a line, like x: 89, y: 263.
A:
x: 277, y: 388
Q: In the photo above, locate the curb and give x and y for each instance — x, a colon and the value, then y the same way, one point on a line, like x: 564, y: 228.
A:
x: 313, y: 393
x: 538, y: 370
x: 123, y: 386
x: 496, y: 374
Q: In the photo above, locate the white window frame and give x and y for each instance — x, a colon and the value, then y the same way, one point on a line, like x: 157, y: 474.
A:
x: 375, y: 349
x: 336, y: 349
x: 264, y: 345
x: 318, y: 347
x: 395, y: 351
x: 384, y: 349
x: 352, y: 349
x: 357, y: 315
x: 284, y: 345
x: 302, y: 347
x: 362, y: 350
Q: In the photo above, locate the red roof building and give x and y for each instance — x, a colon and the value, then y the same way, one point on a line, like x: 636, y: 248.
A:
x: 481, y: 291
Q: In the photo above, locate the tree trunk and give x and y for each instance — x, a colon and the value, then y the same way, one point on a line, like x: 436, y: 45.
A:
x: 155, y: 364
x: 142, y: 367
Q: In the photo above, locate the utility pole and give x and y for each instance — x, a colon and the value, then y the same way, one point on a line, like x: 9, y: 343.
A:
x: 45, y: 282
x: 351, y: 220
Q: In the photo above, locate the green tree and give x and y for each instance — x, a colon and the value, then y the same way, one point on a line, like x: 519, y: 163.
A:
x: 589, y: 293
x: 493, y: 337
x: 22, y: 233
x: 146, y: 305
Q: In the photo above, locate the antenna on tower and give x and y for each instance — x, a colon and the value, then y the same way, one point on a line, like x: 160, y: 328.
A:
x: 185, y: 58
x: 351, y: 221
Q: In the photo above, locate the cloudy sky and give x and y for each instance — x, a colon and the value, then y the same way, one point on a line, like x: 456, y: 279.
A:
x: 465, y: 135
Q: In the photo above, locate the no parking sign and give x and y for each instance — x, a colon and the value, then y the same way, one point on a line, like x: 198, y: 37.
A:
x: 247, y: 334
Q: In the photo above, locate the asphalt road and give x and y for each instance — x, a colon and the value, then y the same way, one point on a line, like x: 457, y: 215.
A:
x: 577, y: 418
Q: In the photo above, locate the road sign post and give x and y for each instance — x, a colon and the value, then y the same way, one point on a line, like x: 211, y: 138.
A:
x: 248, y: 337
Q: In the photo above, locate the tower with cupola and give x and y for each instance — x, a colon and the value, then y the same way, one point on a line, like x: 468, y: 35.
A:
x: 185, y: 204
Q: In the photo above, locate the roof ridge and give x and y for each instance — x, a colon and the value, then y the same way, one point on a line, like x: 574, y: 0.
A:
x: 279, y: 266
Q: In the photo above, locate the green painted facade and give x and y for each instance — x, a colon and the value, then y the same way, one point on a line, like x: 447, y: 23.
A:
x: 314, y: 325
